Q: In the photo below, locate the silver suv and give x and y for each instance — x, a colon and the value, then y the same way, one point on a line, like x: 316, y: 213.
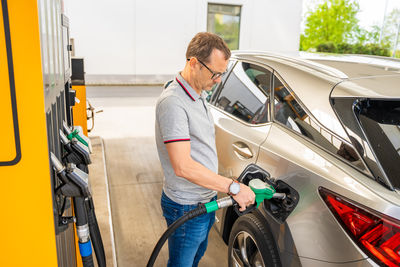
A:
x: 326, y: 130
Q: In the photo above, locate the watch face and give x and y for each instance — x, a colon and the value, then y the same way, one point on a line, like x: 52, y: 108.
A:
x: 234, y: 188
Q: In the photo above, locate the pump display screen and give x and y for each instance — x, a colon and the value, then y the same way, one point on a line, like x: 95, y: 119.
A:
x: 9, y: 136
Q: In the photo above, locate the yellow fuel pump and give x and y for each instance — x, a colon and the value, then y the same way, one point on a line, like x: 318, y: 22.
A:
x: 78, y: 85
x: 35, y: 102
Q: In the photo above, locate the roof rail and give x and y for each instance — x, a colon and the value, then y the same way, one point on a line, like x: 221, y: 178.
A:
x: 297, y: 58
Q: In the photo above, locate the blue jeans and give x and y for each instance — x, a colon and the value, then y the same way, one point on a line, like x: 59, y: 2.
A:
x: 189, y: 242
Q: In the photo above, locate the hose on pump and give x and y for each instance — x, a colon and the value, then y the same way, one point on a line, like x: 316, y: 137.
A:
x: 82, y: 231
x: 95, y: 234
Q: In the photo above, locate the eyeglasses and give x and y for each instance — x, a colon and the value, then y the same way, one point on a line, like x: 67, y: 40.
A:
x: 215, y: 75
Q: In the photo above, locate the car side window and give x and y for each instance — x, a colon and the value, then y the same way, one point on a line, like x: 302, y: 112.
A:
x: 245, y: 94
x: 289, y: 112
x: 211, y: 95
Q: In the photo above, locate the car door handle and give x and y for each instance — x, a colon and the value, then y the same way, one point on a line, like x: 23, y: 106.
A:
x: 242, y: 150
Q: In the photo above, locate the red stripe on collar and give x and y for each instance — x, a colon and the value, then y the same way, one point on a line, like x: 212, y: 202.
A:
x: 187, y: 92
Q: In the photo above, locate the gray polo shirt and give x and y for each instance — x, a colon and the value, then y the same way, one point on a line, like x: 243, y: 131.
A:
x: 182, y: 115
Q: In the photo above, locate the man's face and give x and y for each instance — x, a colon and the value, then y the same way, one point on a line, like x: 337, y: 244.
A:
x: 206, y: 70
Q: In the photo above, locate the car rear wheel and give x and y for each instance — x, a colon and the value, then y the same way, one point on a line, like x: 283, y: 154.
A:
x: 251, y: 244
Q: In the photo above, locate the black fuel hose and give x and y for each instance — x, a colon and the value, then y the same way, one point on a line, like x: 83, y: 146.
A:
x: 201, y: 209
x: 85, y: 247
x: 95, y: 234
x: 87, y: 261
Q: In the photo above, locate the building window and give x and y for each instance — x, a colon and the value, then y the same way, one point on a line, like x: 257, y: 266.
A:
x: 224, y: 20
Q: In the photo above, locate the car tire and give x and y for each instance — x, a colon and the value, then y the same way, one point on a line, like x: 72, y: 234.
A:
x: 251, y: 244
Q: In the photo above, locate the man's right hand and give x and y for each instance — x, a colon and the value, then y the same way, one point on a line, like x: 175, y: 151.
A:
x: 245, y: 197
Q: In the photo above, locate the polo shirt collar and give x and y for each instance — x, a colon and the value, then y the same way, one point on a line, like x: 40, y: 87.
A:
x: 190, y: 92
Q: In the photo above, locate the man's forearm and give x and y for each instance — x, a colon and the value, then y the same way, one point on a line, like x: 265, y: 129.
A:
x: 198, y: 174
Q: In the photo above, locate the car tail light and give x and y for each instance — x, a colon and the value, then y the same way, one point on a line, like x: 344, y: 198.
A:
x: 376, y: 234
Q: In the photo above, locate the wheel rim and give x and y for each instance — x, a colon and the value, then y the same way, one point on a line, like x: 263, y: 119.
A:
x: 245, y: 252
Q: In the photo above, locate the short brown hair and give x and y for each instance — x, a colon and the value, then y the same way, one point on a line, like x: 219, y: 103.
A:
x: 204, y: 43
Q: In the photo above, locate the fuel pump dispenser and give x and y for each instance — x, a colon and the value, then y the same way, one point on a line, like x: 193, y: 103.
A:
x: 78, y: 155
x: 75, y: 184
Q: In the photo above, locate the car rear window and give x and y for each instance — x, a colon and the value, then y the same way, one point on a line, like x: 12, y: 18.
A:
x: 380, y: 121
x: 290, y: 113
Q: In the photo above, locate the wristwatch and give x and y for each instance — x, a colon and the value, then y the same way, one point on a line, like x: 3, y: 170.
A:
x: 234, y: 188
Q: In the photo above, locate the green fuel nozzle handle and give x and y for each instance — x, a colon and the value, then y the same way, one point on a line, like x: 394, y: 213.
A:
x: 75, y: 134
x: 219, y: 204
x: 262, y: 190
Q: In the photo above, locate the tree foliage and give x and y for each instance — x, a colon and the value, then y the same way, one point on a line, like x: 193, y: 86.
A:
x: 333, y: 27
x: 391, y: 26
x: 358, y: 48
x: 333, y: 21
x: 388, y: 33
x: 363, y: 36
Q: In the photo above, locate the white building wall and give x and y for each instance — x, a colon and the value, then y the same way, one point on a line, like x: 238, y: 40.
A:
x: 144, y: 41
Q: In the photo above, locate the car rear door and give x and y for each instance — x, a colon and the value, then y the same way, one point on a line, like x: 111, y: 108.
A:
x: 240, y: 107
x: 307, y: 156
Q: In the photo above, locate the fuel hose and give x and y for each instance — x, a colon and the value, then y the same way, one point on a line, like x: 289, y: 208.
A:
x: 201, y: 209
x: 95, y: 234
x: 82, y: 231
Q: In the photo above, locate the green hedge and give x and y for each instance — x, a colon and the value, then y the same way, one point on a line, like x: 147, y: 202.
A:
x: 345, y: 48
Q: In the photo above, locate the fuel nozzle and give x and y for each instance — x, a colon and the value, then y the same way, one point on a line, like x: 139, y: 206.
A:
x: 264, y: 191
x: 76, y: 133
x: 57, y: 165
x: 77, y: 152
x: 75, y: 181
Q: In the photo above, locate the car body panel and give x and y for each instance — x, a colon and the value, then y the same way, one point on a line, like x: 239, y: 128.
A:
x: 308, y: 169
x: 315, y: 263
x: 298, y: 60
x: 228, y: 131
x: 356, y: 66
x: 357, y: 69
x: 372, y: 87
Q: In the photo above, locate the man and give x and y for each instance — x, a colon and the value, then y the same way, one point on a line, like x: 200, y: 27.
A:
x: 185, y: 139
